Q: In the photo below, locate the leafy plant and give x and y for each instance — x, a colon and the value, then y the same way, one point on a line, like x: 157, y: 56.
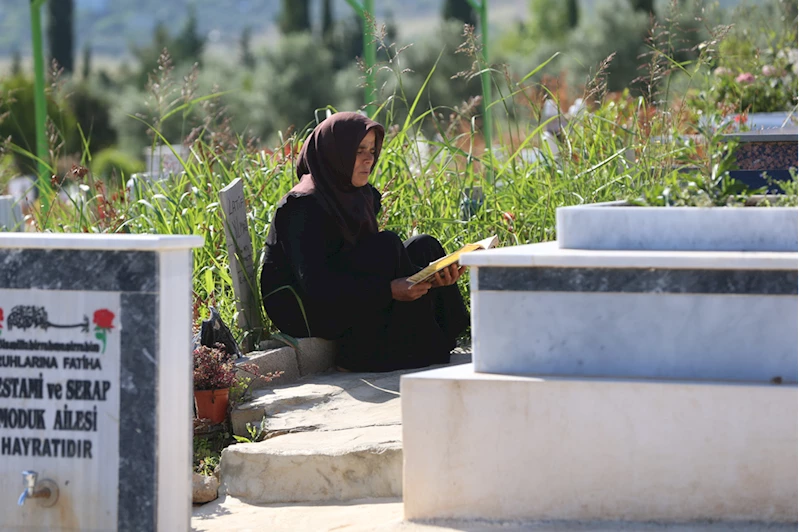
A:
x: 214, y: 369
x: 208, y: 451
x: 254, y: 434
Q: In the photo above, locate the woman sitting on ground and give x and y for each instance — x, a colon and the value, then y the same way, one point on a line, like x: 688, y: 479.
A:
x: 328, y: 272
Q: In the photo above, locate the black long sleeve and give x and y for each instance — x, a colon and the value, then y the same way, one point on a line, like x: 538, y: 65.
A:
x: 303, y: 232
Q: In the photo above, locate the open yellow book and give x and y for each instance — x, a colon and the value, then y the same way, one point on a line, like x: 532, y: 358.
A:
x: 452, y: 258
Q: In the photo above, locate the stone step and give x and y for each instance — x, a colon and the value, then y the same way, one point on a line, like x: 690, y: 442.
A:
x: 316, y: 466
x: 334, y: 436
x: 311, y: 356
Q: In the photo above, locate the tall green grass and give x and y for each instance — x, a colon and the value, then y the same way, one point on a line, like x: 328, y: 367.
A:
x: 433, y: 173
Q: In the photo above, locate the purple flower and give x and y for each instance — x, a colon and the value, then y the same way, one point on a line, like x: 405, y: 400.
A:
x: 771, y: 71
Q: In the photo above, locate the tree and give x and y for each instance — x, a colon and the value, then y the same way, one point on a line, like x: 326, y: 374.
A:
x: 572, y: 14
x: 188, y: 45
x: 647, y: 6
x: 60, y: 33
x: 294, y: 17
x: 346, y: 41
x: 294, y: 81
x: 459, y: 10
x: 550, y: 20
x: 247, y: 57
x: 16, y: 62
x: 86, y: 68
x: 327, y: 20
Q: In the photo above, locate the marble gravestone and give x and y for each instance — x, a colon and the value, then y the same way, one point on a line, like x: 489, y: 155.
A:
x: 95, y: 382
x: 239, y: 248
x: 10, y: 214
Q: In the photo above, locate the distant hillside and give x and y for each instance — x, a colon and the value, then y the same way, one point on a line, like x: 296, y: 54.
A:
x: 111, y: 26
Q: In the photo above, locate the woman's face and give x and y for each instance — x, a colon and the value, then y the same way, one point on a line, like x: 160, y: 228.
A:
x: 364, y: 159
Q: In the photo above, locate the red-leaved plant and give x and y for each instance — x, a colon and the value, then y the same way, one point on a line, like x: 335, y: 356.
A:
x: 215, y: 369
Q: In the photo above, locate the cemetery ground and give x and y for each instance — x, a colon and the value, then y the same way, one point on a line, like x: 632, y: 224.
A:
x: 338, y: 436
x: 366, y: 409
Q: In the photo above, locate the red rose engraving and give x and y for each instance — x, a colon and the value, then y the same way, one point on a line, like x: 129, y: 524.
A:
x: 104, y: 319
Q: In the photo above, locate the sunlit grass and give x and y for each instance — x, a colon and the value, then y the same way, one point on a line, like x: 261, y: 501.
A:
x: 437, y: 183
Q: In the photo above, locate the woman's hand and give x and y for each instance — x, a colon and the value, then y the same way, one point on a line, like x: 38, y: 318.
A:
x: 447, y: 276
x: 401, y: 289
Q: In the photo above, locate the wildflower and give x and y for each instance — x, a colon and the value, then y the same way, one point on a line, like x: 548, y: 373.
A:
x: 771, y: 71
x: 745, y: 77
x: 509, y: 218
x: 722, y: 71
x: 740, y: 119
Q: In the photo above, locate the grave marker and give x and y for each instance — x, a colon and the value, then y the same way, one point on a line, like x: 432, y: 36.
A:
x: 10, y: 214
x: 95, y: 411
x: 239, y: 247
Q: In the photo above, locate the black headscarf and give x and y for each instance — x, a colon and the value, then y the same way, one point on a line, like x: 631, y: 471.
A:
x: 325, y: 167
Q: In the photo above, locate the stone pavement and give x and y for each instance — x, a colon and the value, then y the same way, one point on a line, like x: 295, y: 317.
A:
x: 385, y: 515
x: 322, y: 430
x: 335, y: 436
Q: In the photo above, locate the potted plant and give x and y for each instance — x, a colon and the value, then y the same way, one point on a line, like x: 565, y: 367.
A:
x: 214, y: 375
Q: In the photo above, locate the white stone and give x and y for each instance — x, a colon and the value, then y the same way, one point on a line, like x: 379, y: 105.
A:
x: 316, y: 466
x: 385, y: 515
x: 315, y: 355
x: 10, y: 214
x: 164, y: 160
x: 99, y: 241
x: 89, y: 488
x: 619, y: 227
x: 282, y: 359
x: 684, y: 336
x: 332, y: 402
x: 174, y: 406
x: 204, y: 488
x: 551, y: 254
x: 86, y: 476
x: 626, y: 334
x: 507, y: 447
x: 239, y: 250
x: 310, y: 357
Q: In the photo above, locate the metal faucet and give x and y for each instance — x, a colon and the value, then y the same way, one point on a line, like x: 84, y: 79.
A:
x: 45, y: 490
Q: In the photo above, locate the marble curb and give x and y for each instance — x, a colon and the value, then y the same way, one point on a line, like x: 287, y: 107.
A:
x: 616, y: 226
x: 551, y: 254
x: 99, y: 241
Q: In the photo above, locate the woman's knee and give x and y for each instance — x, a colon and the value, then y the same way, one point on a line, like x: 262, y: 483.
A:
x: 386, y: 244
x: 424, y: 249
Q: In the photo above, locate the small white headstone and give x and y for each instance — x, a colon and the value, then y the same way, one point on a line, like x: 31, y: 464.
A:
x: 10, y: 214
x: 162, y: 160
x: 239, y: 247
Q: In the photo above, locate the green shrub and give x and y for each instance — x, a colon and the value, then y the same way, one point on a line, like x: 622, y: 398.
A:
x: 115, y: 166
x: 17, y: 120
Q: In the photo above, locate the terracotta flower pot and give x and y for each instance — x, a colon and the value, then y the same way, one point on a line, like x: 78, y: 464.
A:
x: 212, y: 404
